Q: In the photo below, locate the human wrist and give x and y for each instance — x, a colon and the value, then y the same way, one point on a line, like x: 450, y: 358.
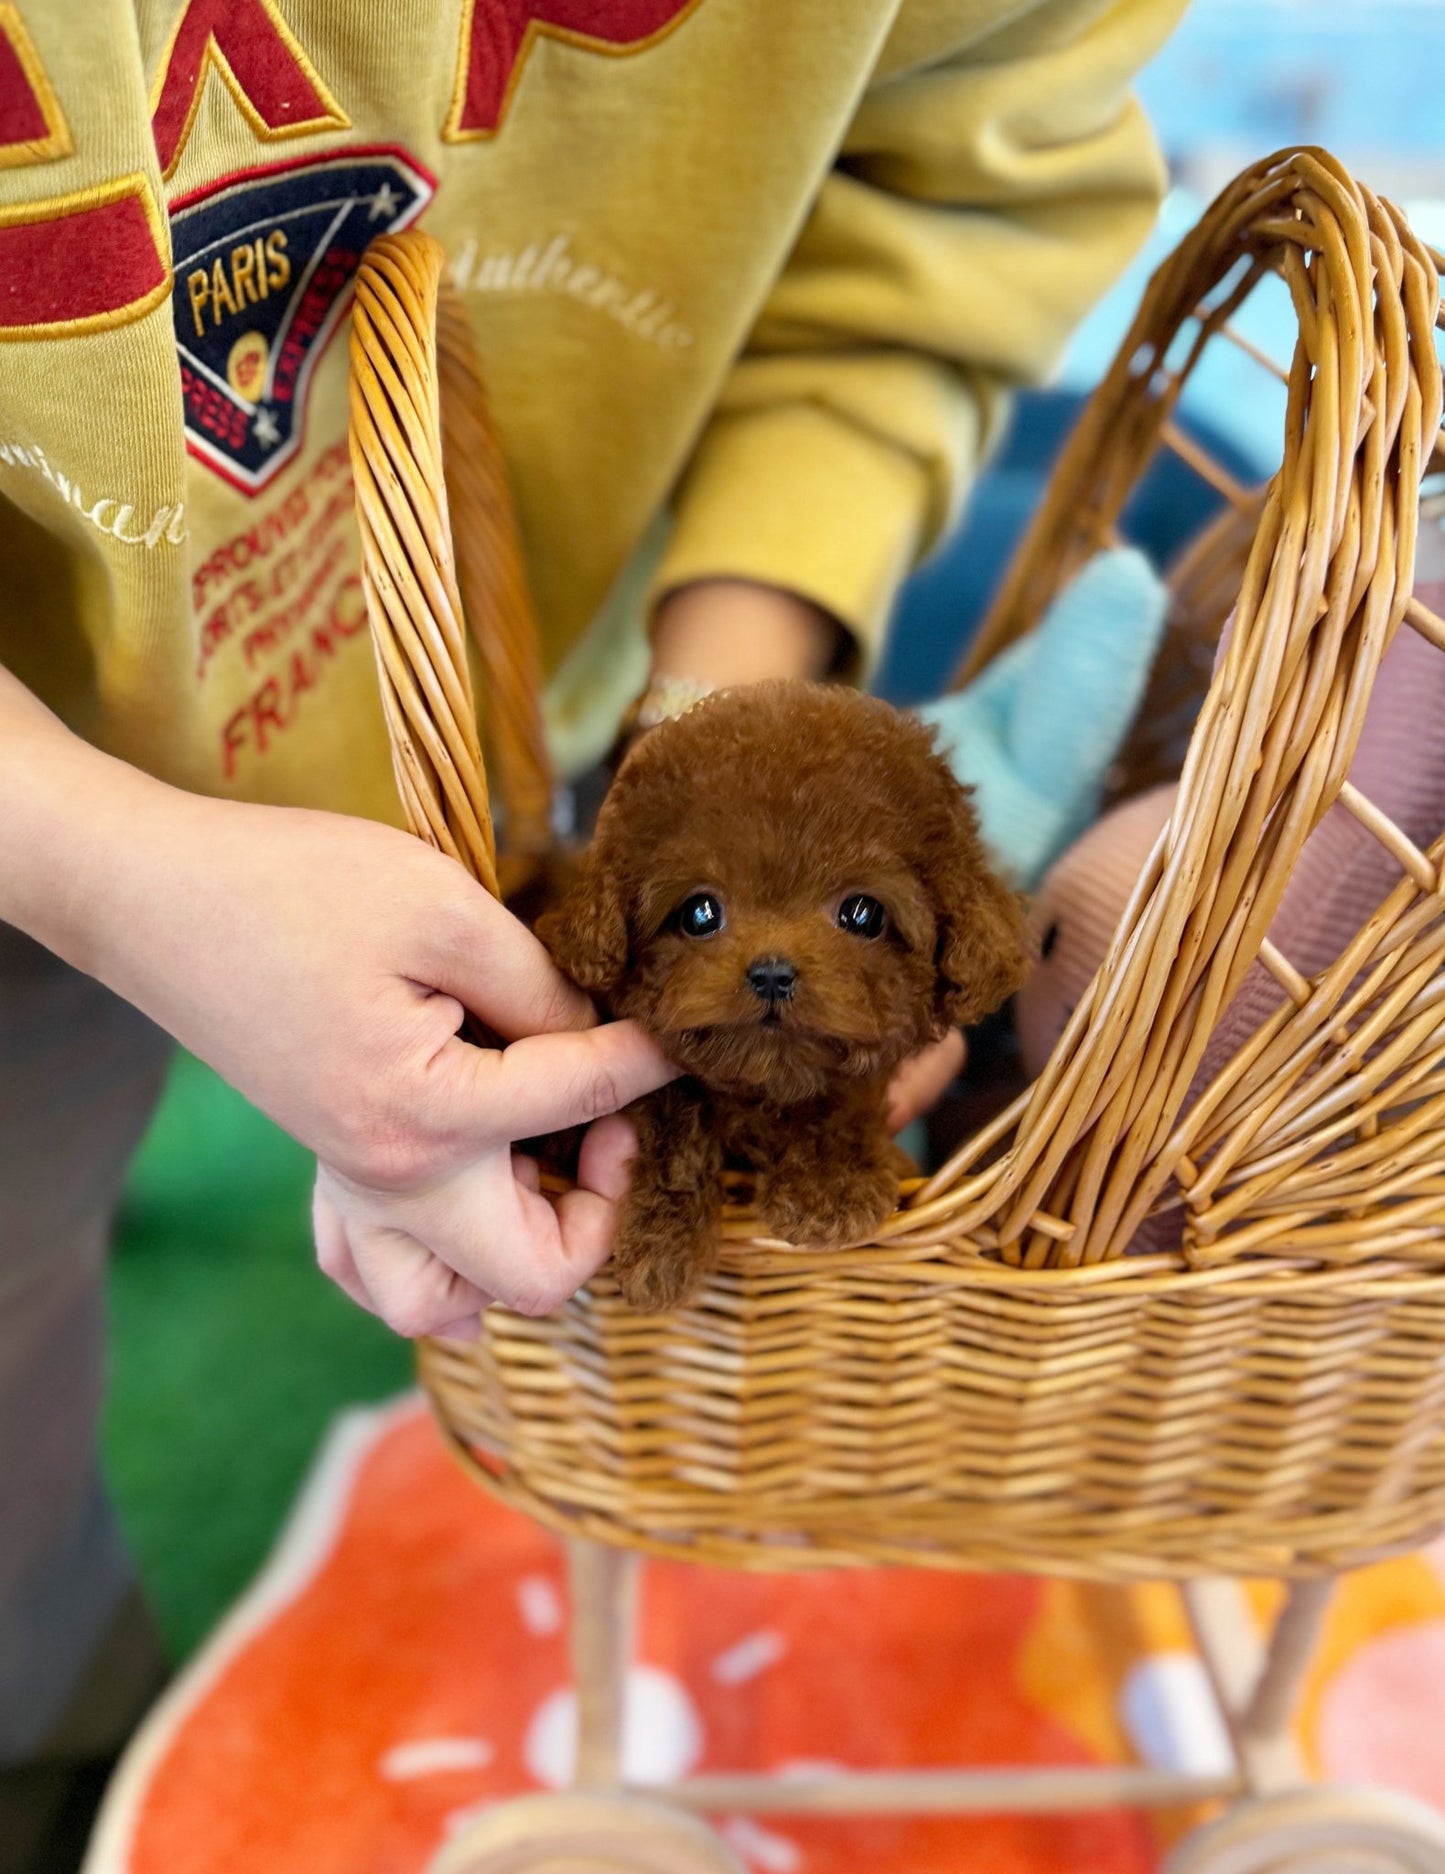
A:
x: 722, y: 632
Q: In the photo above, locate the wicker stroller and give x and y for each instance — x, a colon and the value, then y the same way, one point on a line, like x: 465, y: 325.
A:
x: 991, y: 1383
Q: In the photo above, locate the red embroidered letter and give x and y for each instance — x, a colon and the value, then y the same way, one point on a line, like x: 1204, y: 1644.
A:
x: 79, y: 263
x: 272, y: 80
x: 32, y: 128
x: 497, y: 36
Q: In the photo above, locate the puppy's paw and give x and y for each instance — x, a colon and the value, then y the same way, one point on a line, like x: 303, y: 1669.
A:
x: 843, y: 1205
x: 653, y: 1285
x: 659, y: 1257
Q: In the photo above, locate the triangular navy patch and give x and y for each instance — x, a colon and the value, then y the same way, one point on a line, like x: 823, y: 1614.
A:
x: 264, y: 262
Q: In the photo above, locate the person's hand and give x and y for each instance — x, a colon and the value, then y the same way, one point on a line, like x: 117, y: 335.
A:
x: 723, y: 632
x: 428, y: 1258
x: 322, y: 965
x: 924, y: 1078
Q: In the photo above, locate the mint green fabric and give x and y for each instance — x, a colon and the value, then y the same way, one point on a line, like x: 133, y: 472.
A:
x: 1035, y: 732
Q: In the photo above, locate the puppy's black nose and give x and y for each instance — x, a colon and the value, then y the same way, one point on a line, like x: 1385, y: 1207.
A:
x: 771, y: 979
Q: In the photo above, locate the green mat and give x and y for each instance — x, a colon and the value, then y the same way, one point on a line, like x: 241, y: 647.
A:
x: 231, y: 1353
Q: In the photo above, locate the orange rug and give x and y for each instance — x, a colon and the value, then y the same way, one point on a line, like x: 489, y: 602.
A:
x: 402, y: 1662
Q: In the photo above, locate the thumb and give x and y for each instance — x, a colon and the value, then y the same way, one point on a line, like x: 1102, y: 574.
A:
x: 493, y: 965
x: 545, y: 1083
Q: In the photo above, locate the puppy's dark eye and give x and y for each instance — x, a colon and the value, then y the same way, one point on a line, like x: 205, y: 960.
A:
x: 699, y: 916
x: 863, y: 916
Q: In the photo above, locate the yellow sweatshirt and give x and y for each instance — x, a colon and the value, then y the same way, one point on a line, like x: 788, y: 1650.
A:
x: 749, y: 279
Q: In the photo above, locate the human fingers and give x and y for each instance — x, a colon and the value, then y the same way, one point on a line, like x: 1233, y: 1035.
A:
x: 923, y: 1079
x: 609, y: 1147
x: 494, y: 966
x: 531, y: 1254
x: 410, y: 1287
x: 545, y: 1083
x: 333, y: 1254
x: 586, y: 1217
x: 469, y: 1328
x: 509, y: 1241
x: 333, y: 1250
x: 568, y: 1240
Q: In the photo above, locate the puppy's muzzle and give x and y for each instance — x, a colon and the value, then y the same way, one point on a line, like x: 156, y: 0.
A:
x: 772, y: 980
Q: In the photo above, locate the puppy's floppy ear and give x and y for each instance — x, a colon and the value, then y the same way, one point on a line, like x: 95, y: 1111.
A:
x: 983, y: 955
x: 983, y: 947
x: 587, y: 932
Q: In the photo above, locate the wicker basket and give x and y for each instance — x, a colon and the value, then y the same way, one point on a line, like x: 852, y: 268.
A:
x: 990, y: 1384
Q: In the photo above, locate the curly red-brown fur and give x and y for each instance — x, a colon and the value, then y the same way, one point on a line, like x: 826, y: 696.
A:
x: 782, y: 800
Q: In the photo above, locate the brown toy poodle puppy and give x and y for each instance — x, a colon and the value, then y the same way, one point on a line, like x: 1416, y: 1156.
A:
x: 787, y: 890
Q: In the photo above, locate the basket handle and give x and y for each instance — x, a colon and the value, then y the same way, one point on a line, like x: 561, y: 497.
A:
x: 1121, y: 426
x: 417, y: 399
x: 1327, y: 582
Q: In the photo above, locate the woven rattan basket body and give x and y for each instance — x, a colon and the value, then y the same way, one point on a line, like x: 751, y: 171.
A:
x: 992, y: 1382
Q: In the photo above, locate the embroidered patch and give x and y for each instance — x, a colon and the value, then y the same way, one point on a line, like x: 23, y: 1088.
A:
x: 263, y: 266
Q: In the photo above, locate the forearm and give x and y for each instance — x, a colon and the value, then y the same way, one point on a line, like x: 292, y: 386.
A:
x: 989, y: 189
x: 63, y: 805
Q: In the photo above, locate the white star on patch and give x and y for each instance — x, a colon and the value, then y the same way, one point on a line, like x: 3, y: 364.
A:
x: 386, y: 201
x: 267, y: 433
